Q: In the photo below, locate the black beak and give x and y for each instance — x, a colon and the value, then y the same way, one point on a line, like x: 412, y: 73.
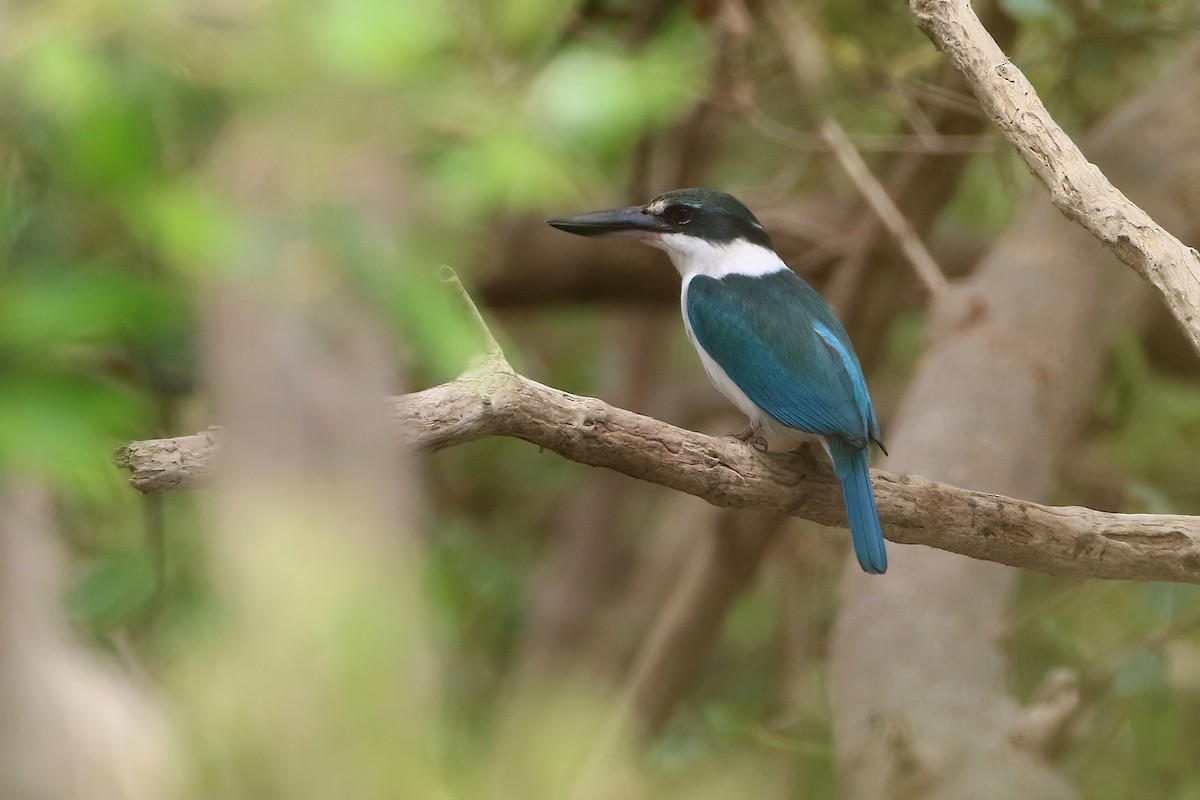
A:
x: 630, y: 221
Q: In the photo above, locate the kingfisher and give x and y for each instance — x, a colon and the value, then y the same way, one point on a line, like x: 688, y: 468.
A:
x: 768, y: 341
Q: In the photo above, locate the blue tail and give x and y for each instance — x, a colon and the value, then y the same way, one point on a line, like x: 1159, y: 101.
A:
x: 851, y: 465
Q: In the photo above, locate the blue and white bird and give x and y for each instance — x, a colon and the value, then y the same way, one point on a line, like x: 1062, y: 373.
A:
x: 767, y: 340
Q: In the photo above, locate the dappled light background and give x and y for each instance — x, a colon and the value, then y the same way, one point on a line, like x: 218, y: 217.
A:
x: 237, y: 214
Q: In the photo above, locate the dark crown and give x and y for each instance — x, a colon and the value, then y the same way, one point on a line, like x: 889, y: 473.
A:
x: 707, y: 214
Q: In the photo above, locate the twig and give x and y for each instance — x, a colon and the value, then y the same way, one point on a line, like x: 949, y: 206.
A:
x: 942, y: 97
x: 1077, y: 187
x: 491, y: 346
x: 785, y: 30
x: 943, y: 144
x: 897, y: 225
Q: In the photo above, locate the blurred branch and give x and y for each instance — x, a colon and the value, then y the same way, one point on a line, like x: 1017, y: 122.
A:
x: 671, y: 654
x: 493, y: 400
x: 1051, y: 722
x: 1063, y: 704
x: 72, y: 726
x: 938, y: 144
x: 921, y: 181
x: 692, y: 616
x: 1077, y: 187
x: 588, y: 576
x: 927, y: 270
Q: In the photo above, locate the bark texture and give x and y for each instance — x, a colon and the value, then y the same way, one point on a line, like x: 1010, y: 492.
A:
x: 495, y: 401
x: 918, y: 672
x: 1077, y: 187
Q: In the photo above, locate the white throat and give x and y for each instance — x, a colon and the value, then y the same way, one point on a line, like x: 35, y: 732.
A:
x: 695, y: 256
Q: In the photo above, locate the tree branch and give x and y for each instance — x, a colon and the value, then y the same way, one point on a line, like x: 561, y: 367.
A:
x: 910, y: 244
x: 1077, y: 187
x: 493, y: 400
x: 789, y: 34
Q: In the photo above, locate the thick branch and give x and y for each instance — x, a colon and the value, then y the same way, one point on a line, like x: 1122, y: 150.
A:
x: 1077, y: 187
x: 495, y: 401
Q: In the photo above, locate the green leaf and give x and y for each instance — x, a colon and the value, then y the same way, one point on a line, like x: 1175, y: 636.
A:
x: 1140, y: 671
x: 1032, y: 10
x: 111, y: 589
x: 369, y: 39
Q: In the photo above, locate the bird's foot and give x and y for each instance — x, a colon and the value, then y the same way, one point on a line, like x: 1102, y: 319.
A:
x: 748, y: 433
x: 750, y: 436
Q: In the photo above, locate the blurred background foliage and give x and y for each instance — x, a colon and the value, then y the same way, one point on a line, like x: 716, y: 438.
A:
x: 458, y: 117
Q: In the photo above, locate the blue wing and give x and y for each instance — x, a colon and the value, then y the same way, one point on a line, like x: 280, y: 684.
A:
x: 779, y: 341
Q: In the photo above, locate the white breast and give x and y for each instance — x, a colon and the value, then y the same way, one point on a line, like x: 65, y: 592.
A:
x: 716, y: 374
x: 693, y: 257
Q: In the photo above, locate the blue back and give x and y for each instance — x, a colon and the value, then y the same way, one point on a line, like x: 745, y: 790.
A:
x: 779, y: 341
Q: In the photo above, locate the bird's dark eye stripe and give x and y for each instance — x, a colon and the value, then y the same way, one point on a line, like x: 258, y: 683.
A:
x: 679, y: 215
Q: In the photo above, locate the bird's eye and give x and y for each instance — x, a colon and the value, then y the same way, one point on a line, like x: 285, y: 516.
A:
x: 680, y: 215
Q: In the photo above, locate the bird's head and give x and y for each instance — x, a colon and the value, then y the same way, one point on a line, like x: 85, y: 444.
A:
x: 702, y: 230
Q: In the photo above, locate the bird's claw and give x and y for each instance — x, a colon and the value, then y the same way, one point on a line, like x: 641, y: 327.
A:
x: 750, y: 436
x: 748, y: 432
